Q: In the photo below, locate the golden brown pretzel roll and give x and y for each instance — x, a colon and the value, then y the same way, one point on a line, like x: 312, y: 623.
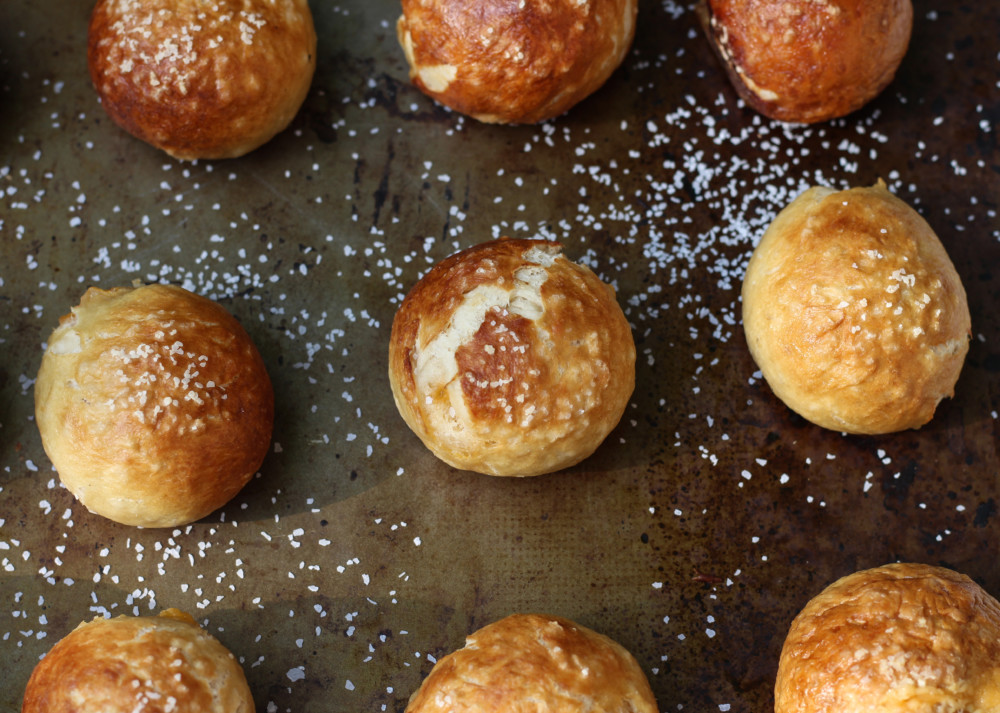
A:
x: 508, y: 359
x: 854, y: 312
x: 153, y: 664
x: 808, y: 60
x: 514, y: 61
x: 539, y: 663
x: 153, y: 404
x: 202, y: 79
x: 903, y: 638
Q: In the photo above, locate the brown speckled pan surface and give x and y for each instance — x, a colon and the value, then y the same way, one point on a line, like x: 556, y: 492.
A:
x: 355, y: 559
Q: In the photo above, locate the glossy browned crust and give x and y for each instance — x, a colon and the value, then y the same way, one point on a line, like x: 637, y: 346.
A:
x: 903, y: 638
x: 854, y: 312
x: 530, y: 662
x: 805, y: 61
x: 163, y: 664
x: 514, y: 61
x: 202, y: 80
x: 153, y: 405
x: 501, y: 377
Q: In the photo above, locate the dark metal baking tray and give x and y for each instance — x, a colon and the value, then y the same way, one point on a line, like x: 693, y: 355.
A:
x: 356, y: 559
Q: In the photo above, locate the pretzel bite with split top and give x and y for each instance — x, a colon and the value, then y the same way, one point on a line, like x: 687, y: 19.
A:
x: 805, y: 61
x: 514, y: 61
x: 509, y: 359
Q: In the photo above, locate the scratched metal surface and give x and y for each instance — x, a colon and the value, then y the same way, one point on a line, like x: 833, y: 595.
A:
x: 355, y: 559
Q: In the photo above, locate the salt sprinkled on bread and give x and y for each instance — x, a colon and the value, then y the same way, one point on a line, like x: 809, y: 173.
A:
x: 153, y: 404
x: 900, y: 638
x: 202, y: 80
x: 854, y: 312
x: 127, y: 664
x: 536, y: 662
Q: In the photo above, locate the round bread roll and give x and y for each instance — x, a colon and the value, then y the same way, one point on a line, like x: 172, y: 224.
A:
x: 903, y: 638
x: 514, y: 61
x: 509, y: 359
x: 854, y: 313
x: 153, y: 405
x: 153, y: 664
x: 805, y: 61
x: 202, y: 79
x: 544, y: 664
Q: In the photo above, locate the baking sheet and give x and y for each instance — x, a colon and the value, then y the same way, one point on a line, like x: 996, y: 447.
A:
x: 355, y: 559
